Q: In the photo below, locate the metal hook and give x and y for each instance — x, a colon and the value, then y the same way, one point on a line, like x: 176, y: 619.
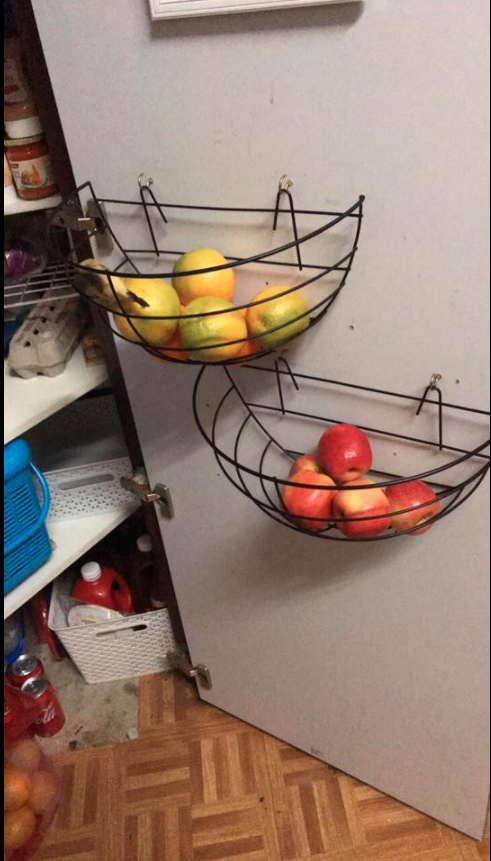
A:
x: 284, y: 186
x: 148, y: 183
x: 434, y: 387
x: 278, y: 380
x: 146, y: 187
x: 285, y: 183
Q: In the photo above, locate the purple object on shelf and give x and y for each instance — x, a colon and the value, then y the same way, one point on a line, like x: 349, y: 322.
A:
x: 21, y: 259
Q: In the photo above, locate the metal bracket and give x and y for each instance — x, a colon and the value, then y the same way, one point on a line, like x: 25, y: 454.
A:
x: 182, y: 664
x: 139, y: 486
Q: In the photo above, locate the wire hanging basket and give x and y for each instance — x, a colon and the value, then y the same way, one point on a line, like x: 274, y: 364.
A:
x: 256, y: 438
x: 314, y: 264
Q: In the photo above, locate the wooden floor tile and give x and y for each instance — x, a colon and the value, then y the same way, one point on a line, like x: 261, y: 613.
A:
x: 200, y: 785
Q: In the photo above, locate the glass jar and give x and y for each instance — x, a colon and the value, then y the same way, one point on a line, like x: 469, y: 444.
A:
x: 19, y: 111
x: 31, y: 168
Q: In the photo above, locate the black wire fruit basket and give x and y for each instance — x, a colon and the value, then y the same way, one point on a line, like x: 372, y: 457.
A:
x: 313, y: 264
x: 256, y: 438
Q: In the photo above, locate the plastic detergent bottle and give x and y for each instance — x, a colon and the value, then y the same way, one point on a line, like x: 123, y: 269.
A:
x: 102, y: 585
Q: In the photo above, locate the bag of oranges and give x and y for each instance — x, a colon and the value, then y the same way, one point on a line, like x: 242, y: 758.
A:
x: 31, y: 788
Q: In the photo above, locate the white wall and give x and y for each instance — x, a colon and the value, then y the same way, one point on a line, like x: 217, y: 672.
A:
x: 388, y: 98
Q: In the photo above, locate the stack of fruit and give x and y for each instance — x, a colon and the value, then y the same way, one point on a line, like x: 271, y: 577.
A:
x: 335, y: 472
x: 30, y: 797
x: 197, y: 317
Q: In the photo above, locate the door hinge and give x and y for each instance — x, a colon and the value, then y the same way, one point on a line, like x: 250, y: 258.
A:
x: 139, y: 486
x: 180, y: 663
x: 71, y: 217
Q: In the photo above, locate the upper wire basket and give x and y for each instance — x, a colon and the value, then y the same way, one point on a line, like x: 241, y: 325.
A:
x: 307, y: 262
x: 256, y: 437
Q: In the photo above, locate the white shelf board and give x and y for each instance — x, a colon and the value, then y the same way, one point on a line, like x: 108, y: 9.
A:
x: 16, y: 207
x: 28, y: 402
x: 73, y: 538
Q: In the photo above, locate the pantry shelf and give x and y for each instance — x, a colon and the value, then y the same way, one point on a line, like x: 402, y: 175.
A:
x: 73, y: 538
x: 28, y: 402
x: 17, y: 207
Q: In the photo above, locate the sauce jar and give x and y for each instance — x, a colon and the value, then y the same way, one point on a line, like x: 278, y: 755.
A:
x: 31, y: 167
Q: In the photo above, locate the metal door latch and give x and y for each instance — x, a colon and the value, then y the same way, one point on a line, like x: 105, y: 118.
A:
x: 182, y: 664
x: 139, y: 486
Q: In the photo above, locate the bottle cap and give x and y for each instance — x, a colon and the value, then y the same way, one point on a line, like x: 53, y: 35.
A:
x: 144, y: 544
x: 24, y: 128
x: 91, y: 571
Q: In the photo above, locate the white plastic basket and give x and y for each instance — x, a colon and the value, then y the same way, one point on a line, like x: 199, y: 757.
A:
x: 134, y: 646
x: 88, y: 490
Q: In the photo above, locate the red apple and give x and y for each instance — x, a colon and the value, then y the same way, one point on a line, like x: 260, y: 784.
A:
x: 303, y: 503
x: 410, y: 494
x: 344, y: 453
x: 306, y: 461
x: 368, y: 502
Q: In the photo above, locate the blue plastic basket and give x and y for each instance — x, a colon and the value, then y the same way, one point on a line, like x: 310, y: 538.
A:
x: 26, y: 544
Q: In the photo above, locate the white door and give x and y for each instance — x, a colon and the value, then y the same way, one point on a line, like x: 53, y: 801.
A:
x: 371, y: 657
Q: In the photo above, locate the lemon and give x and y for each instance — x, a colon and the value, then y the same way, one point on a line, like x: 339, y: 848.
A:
x: 273, y: 312
x: 157, y: 299
x: 205, y: 334
x: 190, y: 287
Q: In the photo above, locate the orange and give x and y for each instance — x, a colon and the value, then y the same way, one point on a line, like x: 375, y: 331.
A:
x: 273, y: 312
x: 206, y: 334
x: 249, y: 349
x: 160, y: 300
x: 43, y: 791
x: 25, y: 755
x: 190, y: 287
x: 175, y: 341
x: 18, y: 827
x: 16, y: 788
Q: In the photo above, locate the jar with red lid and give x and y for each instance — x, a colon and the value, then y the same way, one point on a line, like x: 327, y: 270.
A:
x: 31, y: 168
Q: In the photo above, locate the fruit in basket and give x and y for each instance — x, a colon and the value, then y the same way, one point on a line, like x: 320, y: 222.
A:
x: 304, y: 503
x: 190, y: 287
x: 175, y: 341
x: 18, y: 827
x: 370, y: 502
x: 25, y: 755
x: 409, y: 494
x: 277, y: 311
x: 306, y: 461
x: 202, y: 336
x: 344, y: 453
x: 249, y: 348
x: 149, y: 298
x: 16, y: 788
x: 44, y: 791
x: 98, y: 287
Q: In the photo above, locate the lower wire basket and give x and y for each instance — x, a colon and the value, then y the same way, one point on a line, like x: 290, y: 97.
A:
x: 259, y: 419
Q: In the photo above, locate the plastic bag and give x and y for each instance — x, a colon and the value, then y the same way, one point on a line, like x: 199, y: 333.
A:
x: 31, y: 787
x: 21, y: 258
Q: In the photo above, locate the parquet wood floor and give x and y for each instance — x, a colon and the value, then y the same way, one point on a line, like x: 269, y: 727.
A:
x: 199, y: 785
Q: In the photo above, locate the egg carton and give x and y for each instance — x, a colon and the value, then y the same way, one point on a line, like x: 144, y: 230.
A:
x: 48, y: 336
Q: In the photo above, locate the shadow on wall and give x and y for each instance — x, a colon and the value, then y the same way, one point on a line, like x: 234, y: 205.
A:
x: 266, y: 21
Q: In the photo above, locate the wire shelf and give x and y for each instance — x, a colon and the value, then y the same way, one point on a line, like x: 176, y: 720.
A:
x: 312, y: 275
x: 31, y: 289
x: 256, y: 438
